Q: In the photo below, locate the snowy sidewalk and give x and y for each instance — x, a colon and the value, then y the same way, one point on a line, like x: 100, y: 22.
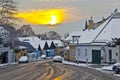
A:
x: 95, y: 66
x: 76, y: 64
x: 105, y: 68
x: 8, y: 64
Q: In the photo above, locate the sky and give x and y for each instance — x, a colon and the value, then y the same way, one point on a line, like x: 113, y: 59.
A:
x: 74, y: 13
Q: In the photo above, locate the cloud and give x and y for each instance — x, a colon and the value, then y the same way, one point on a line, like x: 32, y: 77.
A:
x: 43, y: 16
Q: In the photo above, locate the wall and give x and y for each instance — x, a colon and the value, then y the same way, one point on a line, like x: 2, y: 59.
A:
x: 81, y: 56
x: 72, y: 53
x: 81, y: 53
x: 10, y: 55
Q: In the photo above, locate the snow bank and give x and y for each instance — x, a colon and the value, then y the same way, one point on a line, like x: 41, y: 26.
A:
x: 109, y: 68
x: 8, y: 64
x: 75, y: 64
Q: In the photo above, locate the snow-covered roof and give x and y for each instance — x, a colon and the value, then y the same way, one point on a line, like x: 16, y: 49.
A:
x: 21, y: 47
x: 58, y: 43
x: 105, y: 32
x: 35, y: 42
x: 87, y: 37
x: 111, y: 29
x: 77, y: 33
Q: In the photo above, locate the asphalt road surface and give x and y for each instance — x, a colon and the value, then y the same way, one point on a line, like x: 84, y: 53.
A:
x: 48, y: 70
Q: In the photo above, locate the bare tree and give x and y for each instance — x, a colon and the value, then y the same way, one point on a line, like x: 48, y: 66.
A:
x: 25, y: 31
x: 7, y: 11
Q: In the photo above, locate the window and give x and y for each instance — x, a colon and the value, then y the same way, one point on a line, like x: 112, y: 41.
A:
x: 116, y: 54
x: 85, y: 52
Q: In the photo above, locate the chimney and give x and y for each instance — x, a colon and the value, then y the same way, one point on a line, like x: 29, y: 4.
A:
x: 91, y: 24
x: 73, y: 38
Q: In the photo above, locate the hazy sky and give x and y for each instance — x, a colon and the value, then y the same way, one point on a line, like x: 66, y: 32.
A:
x: 78, y: 11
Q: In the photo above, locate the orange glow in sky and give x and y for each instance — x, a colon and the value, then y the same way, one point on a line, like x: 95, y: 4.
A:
x: 43, y: 17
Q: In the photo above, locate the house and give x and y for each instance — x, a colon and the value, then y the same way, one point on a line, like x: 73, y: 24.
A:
x: 45, y: 50
x: 6, y: 55
x: 70, y: 52
x: 47, y: 47
x: 20, y: 51
x: 23, y: 48
x: 32, y: 44
x: 59, y: 50
x: 52, y: 49
x: 96, y: 46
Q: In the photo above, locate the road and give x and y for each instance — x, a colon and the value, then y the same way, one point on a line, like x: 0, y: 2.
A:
x: 47, y: 70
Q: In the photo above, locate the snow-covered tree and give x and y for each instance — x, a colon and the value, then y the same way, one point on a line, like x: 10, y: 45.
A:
x: 7, y: 11
x: 4, y: 36
x: 25, y: 31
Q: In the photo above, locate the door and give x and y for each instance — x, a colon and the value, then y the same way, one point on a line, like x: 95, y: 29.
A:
x: 110, y: 55
x: 96, y: 56
x: 4, y: 57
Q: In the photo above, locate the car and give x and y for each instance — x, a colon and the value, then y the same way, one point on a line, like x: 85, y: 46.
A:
x: 116, y: 68
x: 57, y: 59
x: 43, y: 56
x: 23, y: 59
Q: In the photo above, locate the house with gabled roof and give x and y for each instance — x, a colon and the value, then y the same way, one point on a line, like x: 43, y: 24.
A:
x: 45, y: 50
x: 93, y: 46
x: 52, y: 49
x: 48, y: 47
x: 39, y: 48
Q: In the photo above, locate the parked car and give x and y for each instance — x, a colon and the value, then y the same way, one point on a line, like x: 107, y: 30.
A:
x: 116, y: 68
x: 43, y: 56
x: 23, y: 59
x: 57, y: 59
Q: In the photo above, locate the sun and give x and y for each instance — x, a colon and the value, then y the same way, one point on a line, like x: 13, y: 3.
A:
x: 53, y: 20
x: 42, y: 16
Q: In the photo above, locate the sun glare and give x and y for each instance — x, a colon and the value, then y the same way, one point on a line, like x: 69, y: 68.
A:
x: 53, y: 20
x: 43, y: 17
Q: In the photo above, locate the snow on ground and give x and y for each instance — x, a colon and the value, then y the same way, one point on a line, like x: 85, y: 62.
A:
x: 8, y: 64
x: 75, y: 64
x: 109, y: 68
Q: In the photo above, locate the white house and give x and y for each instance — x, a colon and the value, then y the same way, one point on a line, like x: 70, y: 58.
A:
x: 93, y: 45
